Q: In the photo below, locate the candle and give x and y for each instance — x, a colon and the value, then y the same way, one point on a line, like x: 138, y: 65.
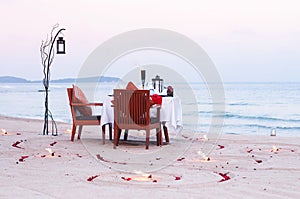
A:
x: 143, y: 77
x: 273, y: 132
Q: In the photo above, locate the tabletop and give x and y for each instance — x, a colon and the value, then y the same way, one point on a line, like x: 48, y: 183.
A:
x: 170, y: 112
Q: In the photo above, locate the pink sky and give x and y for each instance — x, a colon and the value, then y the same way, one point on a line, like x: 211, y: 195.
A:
x: 247, y: 40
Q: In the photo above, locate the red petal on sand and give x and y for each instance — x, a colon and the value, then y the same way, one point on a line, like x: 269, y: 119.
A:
x: 23, y: 158
x: 42, y: 156
x: 16, y: 145
x: 224, y: 176
x: 292, y: 150
x: 221, y: 146
x: 80, y: 156
x: 18, y: 133
x: 249, y: 151
x: 53, y: 143
x: 100, y: 158
x: 126, y: 179
x: 92, y: 178
x: 258, y: 161
x: 177, y: 178
x: 180, y: 159
x: 154, y: 180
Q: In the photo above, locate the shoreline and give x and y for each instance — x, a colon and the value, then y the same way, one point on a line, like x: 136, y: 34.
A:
x: 239, y: 166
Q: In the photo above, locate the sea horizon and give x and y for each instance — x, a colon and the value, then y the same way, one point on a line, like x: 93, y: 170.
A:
x: 250, y: 108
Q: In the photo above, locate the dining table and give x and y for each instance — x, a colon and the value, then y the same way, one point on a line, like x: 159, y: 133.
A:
x: 170, y: 112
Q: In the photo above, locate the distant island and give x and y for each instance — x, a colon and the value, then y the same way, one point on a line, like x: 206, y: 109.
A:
x: 11, y: 79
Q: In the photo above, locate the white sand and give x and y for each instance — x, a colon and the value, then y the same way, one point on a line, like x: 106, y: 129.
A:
x: 255, y: 170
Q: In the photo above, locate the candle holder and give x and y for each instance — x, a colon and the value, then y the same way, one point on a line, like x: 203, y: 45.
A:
x: 158, y: 84
x: 273, y: 132
x: 143, y: 77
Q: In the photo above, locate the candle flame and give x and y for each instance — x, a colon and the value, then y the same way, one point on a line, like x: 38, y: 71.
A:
x: 50, y: 151
x: 68, y: 131
x: 205, y: 137
x: 205, y: 158
x: 274, y: 149
x: 3, y: 130
x: 143, y: 177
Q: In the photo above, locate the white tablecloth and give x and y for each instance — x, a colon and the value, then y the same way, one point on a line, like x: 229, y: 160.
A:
x: 171, y: 112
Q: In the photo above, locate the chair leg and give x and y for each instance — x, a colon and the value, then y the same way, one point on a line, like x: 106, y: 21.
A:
x: 166, y: 133
x: 126, y: 134
x: 73, y: 132
x: 79, y: 132
x: 103, y: 134
x: 159, y: 137
x: 110, y: 131
x: 119, y: 135
x: 116, y: 135
x: 158, y: 141
x: 147, y: 138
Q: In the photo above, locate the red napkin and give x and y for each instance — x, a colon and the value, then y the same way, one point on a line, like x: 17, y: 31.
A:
x: 157, y: 99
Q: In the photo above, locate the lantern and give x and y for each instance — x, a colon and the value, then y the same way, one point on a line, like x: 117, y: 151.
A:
x: 60, y: 46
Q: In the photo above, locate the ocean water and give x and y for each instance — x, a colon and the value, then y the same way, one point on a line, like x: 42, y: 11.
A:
x: 250, y: 108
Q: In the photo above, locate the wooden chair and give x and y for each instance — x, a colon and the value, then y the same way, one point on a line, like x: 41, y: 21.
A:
x: 132, y: 111
x: 82, y: 113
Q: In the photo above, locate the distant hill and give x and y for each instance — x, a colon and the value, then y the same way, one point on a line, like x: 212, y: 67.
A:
x: 11, y: 79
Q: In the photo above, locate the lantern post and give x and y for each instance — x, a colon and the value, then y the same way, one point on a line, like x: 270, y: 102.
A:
x: 47, y: 55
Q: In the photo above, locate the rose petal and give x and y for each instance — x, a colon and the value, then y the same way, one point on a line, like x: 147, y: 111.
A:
x: 221, y: 146
x: 249, y: 151
x: 23, y: 158
x: 53, y: 143
x: 126, y: 179
x: 258, y: 161
x: 92, y: 178
x: 16, y: 145
x: 180, y: 159
x: 224, y: 176
x: 177, y: 178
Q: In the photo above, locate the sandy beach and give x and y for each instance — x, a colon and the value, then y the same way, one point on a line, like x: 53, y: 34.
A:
x: 239, y: 166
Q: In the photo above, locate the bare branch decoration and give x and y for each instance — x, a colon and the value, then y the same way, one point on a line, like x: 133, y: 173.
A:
x: 47, y: 57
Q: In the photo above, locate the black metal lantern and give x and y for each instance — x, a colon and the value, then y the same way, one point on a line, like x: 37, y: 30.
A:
x: 61, y: 49
x: 158, y: 83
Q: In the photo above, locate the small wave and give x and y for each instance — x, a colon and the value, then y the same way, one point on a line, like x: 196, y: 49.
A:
x: 246, y: 117
x: 239, y: 104
x: 250, y: 117
x: 5, y: 86
x: 271, y: 127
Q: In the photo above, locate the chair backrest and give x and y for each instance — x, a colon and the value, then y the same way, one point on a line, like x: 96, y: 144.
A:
x: 132, y: 107
x: 70, y: 95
